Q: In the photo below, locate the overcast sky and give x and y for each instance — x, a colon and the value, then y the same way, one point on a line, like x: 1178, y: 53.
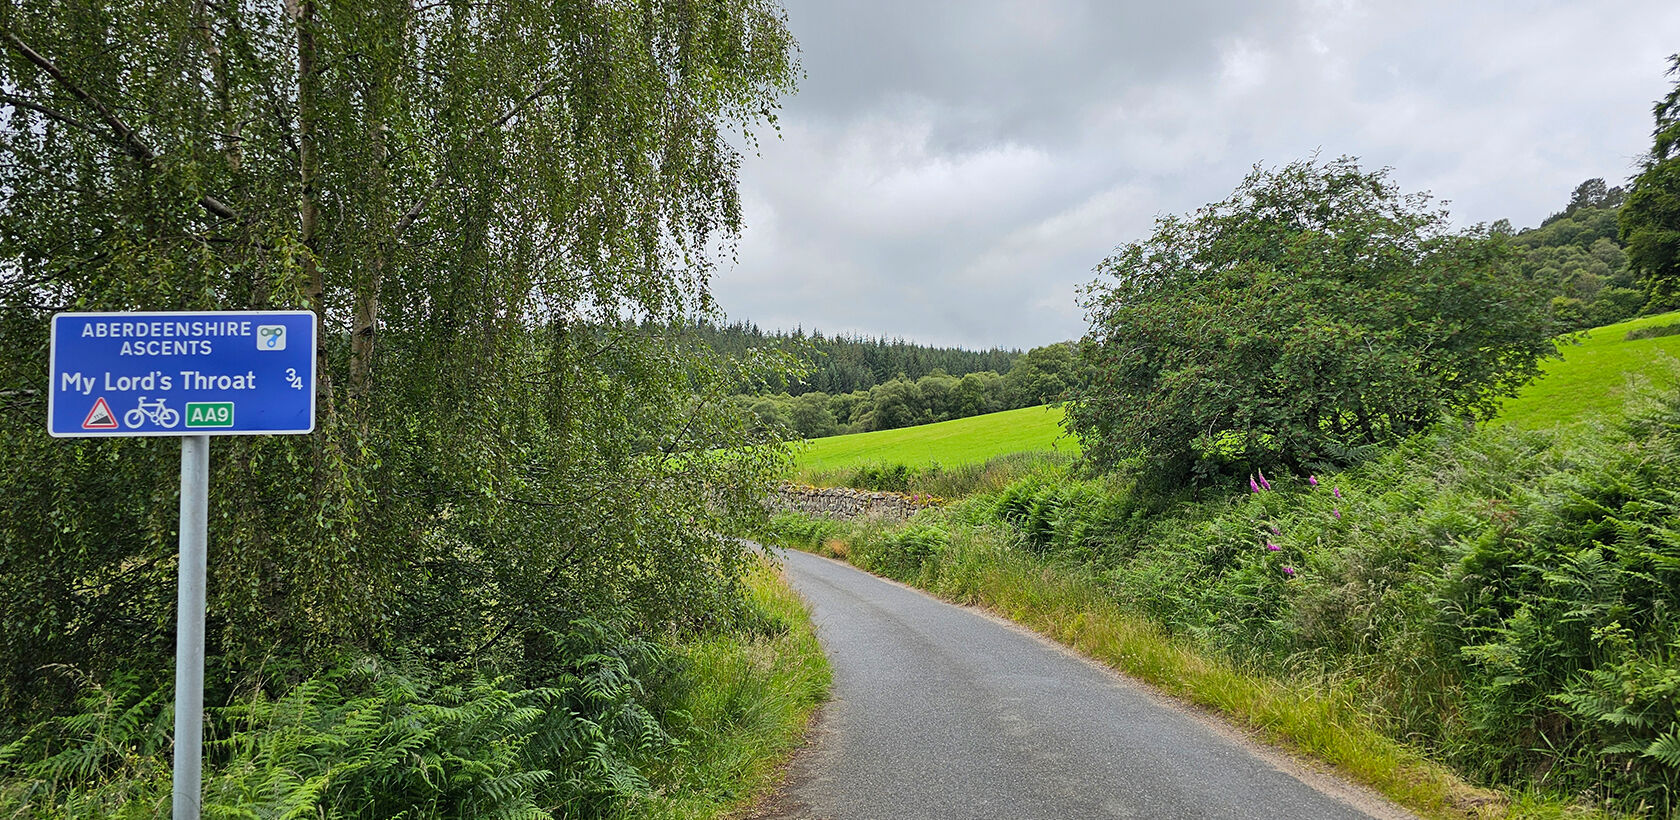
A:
x: 951, y: 172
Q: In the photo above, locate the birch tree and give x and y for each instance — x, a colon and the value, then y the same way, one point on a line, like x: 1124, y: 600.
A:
x: 492, y: 206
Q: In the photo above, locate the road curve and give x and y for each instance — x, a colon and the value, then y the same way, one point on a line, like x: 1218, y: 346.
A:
x: 944, y: 712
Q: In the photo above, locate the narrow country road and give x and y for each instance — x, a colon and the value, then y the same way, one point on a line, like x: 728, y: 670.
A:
x: 943, y: 712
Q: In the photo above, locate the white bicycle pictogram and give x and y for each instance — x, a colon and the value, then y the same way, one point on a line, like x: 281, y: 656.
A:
x: 161, y: 416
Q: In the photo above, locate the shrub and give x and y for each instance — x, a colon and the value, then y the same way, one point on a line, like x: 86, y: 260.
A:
x: 1316, y: 312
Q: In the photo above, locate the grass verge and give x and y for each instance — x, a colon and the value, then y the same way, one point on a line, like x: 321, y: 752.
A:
x: 376, y: 738
x: 977, y: 567
x: 747, y: 704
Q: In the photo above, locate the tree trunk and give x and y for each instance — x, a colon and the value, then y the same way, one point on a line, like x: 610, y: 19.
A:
x: 366, y: 322
x: 314, y: 285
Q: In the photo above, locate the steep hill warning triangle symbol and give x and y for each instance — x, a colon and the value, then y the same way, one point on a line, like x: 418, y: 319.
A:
x: 100, y: 418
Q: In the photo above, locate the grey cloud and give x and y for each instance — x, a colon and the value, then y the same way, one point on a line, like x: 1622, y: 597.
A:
x: 952, y: 171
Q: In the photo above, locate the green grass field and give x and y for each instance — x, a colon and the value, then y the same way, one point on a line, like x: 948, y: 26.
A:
x: 1590, y: 381
x: 949, y: 443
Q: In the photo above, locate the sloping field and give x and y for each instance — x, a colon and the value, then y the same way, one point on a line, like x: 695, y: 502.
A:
x: 1590, y: 381
x: 950, y: 443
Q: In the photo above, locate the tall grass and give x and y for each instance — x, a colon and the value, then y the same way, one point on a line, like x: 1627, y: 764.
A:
x: 628, y: 729
x: 742, y: 709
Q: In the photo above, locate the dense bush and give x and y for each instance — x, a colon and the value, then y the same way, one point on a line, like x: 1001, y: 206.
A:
x: 898, y: 552
x: 1649, y: 221
x: 616, y: 727
x: 498, y: 445
x: 1316, y: 313
x: 1576, y: 255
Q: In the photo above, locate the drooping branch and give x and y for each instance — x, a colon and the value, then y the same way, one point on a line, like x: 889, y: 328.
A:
x: 419, y: 206
x: 125, y: 137
x: 49, y: 113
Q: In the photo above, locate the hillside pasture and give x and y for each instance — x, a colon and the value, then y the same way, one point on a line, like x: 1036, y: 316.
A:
x: 1590, y: 381
x: 948, y: 443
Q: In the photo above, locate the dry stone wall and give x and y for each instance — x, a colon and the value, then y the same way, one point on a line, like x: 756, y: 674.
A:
x: 847, y: 503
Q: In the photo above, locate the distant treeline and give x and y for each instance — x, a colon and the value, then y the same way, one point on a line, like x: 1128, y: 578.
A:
x: 1578, y: 256
x: 1039, y: 376
x: 845, y: 364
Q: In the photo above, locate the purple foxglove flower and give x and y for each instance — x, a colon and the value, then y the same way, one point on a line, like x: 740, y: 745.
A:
x: 1336, y: 491
x: 1275, y: 530
x: 1263, y: 482
x: 1271, y: 547
x: 1336, y: 511
x: 1252, y: 486
x: 1312, y: 480
x: 1289, y: 571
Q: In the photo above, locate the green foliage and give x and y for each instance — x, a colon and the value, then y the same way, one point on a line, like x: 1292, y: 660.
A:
x: 375, y: 740
x: 802, y: 531
x: 1082, y: 518
x: 1314, y: 314
x: 1575, y: 255
x: 1507, y: 598
x: 364, y: 740
x: 738, y: 706
x: 937, y: 479
x: 1041, y: 376
x: 1650, y: 220
x: 898, y: 553
x: 812, y: 417
x: 1045, y: 375
x: 502, y: 220
x: 889, y: 477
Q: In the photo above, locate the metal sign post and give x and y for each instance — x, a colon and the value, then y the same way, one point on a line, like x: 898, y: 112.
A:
x: 191, y: 375
x: 189, y: 625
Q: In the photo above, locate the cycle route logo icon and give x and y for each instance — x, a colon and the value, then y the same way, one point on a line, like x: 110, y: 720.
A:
x: 154, y: 411
x: 271, y: 337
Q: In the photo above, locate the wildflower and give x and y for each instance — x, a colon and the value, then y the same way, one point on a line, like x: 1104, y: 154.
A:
x: 1312, y: 480
x: 1289, y: 571
x: 1275, y: 530
x: 1336, y: 511
x: 1271, y: 547
x: 1252, y: 486
x: 1336, y: 491
x: 1264, y: 484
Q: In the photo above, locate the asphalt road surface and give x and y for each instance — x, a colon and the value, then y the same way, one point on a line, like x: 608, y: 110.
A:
x: 941, y: 711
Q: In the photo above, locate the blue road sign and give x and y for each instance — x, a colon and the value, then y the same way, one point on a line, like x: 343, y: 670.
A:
x: 182, y: 374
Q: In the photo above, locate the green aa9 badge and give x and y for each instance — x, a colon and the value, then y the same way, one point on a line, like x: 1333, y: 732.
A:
x: 209, y: 414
